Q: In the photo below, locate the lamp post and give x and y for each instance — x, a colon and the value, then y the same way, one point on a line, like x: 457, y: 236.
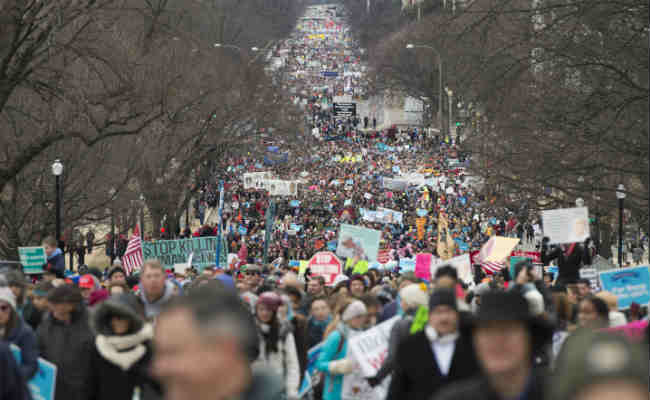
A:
x: 450, y: 94
x: 142, y: 204
x: 112, y: 241
x: 437, y: 53
x: 620, y: 195
x: 57, y: 170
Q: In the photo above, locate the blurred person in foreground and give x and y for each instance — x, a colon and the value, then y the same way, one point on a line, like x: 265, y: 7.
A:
x: 506, y: 336
x: 205, y: 344
x: 600, y: 366
x: 13, y: 385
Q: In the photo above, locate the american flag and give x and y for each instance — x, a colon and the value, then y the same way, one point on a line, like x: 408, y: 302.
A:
x: 132, y: 259
x: 489, y: 267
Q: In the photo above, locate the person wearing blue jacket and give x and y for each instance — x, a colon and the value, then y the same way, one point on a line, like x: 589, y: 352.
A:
x: 15, y: 331
x: 332, y: 361
x: 55, y: 266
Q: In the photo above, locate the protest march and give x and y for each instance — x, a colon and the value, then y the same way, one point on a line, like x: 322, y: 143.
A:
x: 369, y: 264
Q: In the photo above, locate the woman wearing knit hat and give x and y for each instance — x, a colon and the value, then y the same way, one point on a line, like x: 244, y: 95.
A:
x: 14, y: 330
x: 278, y: 350
x: 349, y: 321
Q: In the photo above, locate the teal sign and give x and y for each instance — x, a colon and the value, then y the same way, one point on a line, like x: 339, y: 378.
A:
x: 42, y: 384
x: 32, y: 259
x: 171, y: 252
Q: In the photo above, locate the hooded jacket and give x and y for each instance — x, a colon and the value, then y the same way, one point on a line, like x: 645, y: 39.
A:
x: 69, y: 347
x: 120, y: 363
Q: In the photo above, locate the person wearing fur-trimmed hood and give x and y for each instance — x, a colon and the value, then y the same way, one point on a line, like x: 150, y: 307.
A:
x: 122, y: 352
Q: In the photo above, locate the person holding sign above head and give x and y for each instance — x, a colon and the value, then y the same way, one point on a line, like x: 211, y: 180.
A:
x: 436, y: 356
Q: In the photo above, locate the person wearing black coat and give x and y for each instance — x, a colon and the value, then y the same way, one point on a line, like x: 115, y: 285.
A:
x: 122, y: 353
x: 435, y: 357
x: 65, y: 339
x: 570, y: 258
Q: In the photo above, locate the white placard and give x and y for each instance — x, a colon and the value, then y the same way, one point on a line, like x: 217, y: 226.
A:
x: 566, y: 225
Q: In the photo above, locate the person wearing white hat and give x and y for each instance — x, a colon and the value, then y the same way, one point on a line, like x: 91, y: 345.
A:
x: 13, y: 329
x: 333, y: 360
x: 412, y: 298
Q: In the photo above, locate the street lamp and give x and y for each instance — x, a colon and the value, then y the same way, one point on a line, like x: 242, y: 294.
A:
x: 57, y: 170
x: 142, y: 204
x: 620, y: 195
x: 111, y: 193
x: 450, y: 94
x: 411, y: 46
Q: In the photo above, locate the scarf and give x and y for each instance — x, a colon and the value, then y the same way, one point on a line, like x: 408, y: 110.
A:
x: 124, y: 350
x: 433, y: 336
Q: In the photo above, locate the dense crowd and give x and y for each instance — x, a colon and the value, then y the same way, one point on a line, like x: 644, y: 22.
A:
x: 261, y: 328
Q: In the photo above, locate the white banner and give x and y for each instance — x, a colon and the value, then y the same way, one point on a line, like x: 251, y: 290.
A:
x: 253, y: 180
x: 277, y: 187
x: 566, y: 225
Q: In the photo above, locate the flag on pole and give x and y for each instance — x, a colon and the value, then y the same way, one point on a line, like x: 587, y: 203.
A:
x: 132, y: 259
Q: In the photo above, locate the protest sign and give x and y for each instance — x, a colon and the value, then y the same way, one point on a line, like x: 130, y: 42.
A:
x: 395, y: 184
x: 32, y: 259
x: 420, y: 224
x: 311, y: 377
x: 389, y: 216
x: 355, y: 241
x: 592, y: 275
x: 327, y: 265
x: 369, y: 350
x: 630, y: 285
x: 497, y: 248
x: 277, y: 187
x: 566, y: 225
x: 170, y: 252
x: 407, y: 264
x: 423, y: 263
x: 463, y: 266
x: 253, y: 180
x: 43, y: 383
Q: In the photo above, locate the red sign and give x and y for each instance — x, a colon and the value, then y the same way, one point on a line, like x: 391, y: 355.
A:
x: 327, y: 265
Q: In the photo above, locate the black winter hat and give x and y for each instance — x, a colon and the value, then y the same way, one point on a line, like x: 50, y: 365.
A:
x: 115, y: 270
x: 443, y: 297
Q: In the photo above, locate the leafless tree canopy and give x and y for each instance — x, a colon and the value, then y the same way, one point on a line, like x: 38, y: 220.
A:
x: 128, y: 94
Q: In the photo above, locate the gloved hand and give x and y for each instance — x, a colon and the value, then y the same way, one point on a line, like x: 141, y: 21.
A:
x: 341, y: 367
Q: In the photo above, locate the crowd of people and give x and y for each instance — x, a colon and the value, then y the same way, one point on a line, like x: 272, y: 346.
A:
x: 248, y: 331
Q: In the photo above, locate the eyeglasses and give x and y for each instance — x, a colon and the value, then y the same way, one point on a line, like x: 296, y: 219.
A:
x: 5, y: 307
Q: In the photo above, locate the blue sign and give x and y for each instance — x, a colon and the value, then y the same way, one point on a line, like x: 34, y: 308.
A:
x: 310, y: 370
x: 330, y: 74
x: 294, y: 203
x: 630, y: 285
x: 421, y: 212
x: 242, y: 230
x: 294, y: 263
x: 331, y: 245
x: 43, y: 383
x: 295, y: 227
x: 407, y: 264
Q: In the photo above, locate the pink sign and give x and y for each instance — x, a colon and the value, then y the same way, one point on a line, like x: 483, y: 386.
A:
x: 423, y: 265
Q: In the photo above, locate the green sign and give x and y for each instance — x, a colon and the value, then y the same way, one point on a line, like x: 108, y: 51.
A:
x: 32, y: 259
x: 171, y: 252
